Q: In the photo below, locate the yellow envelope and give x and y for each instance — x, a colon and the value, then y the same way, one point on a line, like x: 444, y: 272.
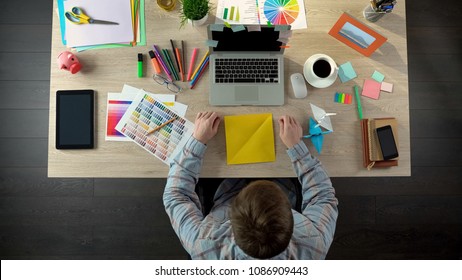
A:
x: 249, y: 138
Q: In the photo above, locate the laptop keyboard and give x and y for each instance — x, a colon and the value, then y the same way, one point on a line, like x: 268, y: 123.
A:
x: 246, y: 70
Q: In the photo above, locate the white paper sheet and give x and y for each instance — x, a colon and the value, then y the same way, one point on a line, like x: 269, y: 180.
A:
x: 95, y: 34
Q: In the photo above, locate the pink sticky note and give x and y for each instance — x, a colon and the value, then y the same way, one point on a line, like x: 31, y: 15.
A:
x: 371, y: 89
x: 386, y: 87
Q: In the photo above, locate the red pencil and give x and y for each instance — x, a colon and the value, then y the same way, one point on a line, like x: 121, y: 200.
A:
x: 200, y: 74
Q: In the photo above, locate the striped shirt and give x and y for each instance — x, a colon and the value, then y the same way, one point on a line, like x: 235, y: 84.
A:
x: 211, y: 237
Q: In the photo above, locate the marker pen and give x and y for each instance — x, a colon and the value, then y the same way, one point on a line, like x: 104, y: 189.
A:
x: 140, y: 65
x: 155, y: 63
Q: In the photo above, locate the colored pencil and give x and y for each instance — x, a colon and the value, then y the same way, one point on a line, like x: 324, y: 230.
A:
x: 162, y: 62
x: 183, y: 58
x: 191, y: 63
x: 194, y: 82
x: 200, y: 63
x: 200, y: 68
x: 160, y: 126
x: 180, y: 65
x: 173, y: 52
x: 170, y: 63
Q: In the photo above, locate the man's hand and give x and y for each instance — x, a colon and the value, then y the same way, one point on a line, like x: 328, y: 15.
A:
x: 290, y: 131
x: 206, y: 126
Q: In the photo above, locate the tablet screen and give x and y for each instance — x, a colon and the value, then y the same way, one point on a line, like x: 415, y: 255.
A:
x: 74, y: 119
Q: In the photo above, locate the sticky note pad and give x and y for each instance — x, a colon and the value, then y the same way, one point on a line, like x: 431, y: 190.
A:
x: 252, y: 28
x: 211, y: 43
x: 343, y: 98
x: 371, y: 89
x: 378, y: 76
x: 346, y: 72
x: 386, y: 87
x: 249, y: 138
x: 237, y: 28
x: 216, y: 27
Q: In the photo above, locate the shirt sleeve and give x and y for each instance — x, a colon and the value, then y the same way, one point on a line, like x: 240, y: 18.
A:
x: 319, y: 202
x: 180, y: 200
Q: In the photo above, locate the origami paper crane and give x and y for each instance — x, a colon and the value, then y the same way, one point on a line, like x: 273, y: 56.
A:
x: 316, y: 135
x: 322, y: 117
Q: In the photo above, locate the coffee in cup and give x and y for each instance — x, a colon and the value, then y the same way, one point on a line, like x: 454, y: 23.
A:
x: 322, y: 68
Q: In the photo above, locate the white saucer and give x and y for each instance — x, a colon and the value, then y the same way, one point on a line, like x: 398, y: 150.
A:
x: 314, y: 80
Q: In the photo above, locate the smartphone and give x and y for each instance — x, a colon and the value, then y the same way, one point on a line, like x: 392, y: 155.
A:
x: 75, y: 119
x: 387, y: 142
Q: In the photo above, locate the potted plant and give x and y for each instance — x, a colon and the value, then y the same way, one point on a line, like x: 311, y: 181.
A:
x: 195, y: 11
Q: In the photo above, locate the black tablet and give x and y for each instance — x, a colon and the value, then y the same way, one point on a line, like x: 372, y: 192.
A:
x: 75, y: 119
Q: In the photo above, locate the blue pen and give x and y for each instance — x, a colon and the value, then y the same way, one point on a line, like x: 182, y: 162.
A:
x: 200, y: 70
x: 162, y: 63
x: 199, y: 73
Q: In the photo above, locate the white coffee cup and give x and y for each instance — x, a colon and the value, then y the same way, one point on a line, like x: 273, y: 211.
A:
x: 320, y: 70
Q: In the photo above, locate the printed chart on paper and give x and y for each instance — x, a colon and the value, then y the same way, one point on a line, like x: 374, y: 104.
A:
x: 274, y: 12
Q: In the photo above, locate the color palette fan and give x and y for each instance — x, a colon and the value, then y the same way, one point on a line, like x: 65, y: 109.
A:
x: 281, y: 11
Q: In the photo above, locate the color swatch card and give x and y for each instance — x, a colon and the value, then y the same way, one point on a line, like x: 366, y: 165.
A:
x: 118, y: 103
x: 145, y: 114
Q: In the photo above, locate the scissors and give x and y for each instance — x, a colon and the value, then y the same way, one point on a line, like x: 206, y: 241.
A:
x: 77, y: 16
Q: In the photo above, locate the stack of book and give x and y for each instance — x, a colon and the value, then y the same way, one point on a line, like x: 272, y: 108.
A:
x: 372, y: 154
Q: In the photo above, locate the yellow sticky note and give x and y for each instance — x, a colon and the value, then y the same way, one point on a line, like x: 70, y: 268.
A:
x: 249, y: 138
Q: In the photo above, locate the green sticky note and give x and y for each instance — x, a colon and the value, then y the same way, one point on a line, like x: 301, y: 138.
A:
x: 237, y: 28
x: 216, y: 27
x: 211, y: 43
x: 378, y: 76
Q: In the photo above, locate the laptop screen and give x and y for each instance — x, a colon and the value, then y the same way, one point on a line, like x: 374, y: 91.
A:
x: 265, y: 40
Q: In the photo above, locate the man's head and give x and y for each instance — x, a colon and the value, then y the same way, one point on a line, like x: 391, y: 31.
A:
x: 262, y: 219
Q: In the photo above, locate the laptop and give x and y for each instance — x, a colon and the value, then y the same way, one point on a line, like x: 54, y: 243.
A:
x: 246, y: 67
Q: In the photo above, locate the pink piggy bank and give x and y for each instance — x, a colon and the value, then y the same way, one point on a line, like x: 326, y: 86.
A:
x: 68, y: 61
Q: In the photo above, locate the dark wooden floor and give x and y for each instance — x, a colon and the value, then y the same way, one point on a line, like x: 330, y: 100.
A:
x: 418, y: 217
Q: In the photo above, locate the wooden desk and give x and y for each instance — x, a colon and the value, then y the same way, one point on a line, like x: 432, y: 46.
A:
x: 107, y: 70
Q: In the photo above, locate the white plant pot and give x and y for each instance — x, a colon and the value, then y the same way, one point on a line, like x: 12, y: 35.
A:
x: 199, y: 22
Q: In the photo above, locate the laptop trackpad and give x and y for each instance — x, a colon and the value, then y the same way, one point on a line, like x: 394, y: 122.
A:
x: 246, y: 93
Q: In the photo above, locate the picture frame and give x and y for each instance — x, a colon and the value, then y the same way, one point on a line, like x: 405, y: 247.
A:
x: 356, y: 35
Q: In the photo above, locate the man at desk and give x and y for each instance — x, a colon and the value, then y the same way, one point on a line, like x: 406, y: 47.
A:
x: 256, y: 220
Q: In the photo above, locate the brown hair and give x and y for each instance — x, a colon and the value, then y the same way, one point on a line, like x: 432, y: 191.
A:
x: 262, y: 220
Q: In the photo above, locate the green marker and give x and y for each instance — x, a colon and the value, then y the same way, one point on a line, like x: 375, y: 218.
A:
x: 358, y: 101
x: 140, y: 65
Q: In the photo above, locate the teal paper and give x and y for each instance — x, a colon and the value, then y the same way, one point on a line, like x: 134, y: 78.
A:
x: 237, y: 28
x: 211, y: 43
x: 378, y: 76
x: 216, y: 27
x: 346, y: 72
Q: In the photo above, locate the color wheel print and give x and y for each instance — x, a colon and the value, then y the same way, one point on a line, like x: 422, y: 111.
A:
x: 281, y: 11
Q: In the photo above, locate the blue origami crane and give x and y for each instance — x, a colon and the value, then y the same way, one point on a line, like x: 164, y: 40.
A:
x: 316, y: 135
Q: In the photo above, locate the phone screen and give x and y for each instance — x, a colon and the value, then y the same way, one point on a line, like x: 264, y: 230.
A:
x: 74, y: 119
x: 387, y: 142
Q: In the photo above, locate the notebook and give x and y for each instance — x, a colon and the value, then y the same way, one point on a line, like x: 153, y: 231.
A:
x: 375, y: 152
x: 246, y: 65
x: 367, y: 162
